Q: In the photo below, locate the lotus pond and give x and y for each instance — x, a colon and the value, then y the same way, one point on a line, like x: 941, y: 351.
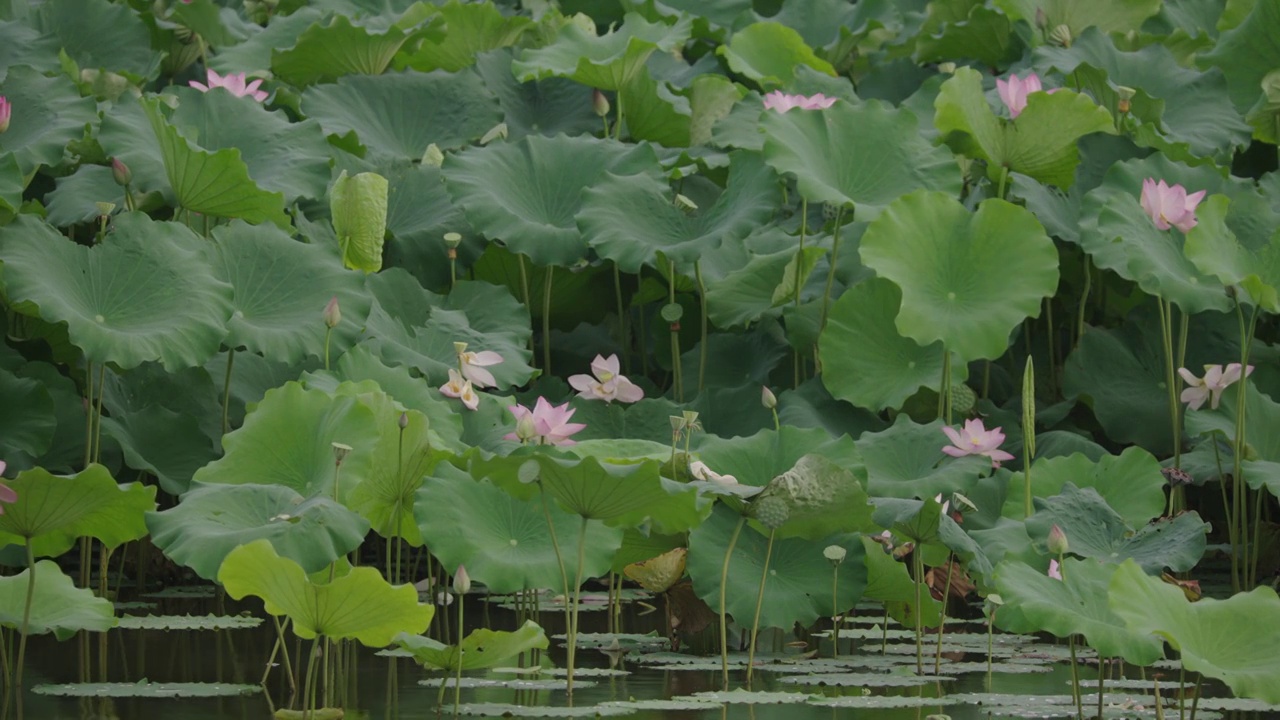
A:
x: 726, y: 358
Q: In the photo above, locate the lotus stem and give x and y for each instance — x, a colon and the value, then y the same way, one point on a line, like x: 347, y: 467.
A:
x: 328, y: 334
x: 1195, y: 699
x: 724, y: 581
x: 564, y: 575
x: 831, y: 272
x: 226, y: 384
x: 991, y: 631
x: 804, y: 227
x: 835, y: 624
x: 1004, y: 177
x: 617, y: 123
x: 1222, y: 485
x: 457, y: 682
x: 677, y: 374
x: 755, y: 622
x: 884, y: 630
x: 1170, y: 377
x: 1028, y: 430
x: 1237, y: 470
x: 280, y: 646
x: 97, y: 423
x: 702, y: 346
x: 1075, y: 678
x: 88, y: 416
x: 1084, y: 300
x: 577, y: 599
x: 944, y: 396
x: 942, y: 621
x: 26, y: 625
x: 309, y: 688
x: 546, y: 322
x: 917, y: 561
x: 1102, y: 676
x: 1053, y: 345
x: 624, y: 337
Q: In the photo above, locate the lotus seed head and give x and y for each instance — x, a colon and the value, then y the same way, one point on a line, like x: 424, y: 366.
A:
x: 340, y: 452
x: 1061, y: 35
x: 834, y: 553
x: 459, y: 347
x: 452, y: 239
x: 104, y: 208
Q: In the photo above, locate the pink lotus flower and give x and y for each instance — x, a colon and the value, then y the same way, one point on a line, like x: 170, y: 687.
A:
x: 472, y: 365
x: 461, y: 389
x: 6, y: 111
x: 782, y: 102
x: 1014, y: 91
x: 976, y: 439
x: 551, y: 425
x: 1170, y: 206
x: 233, y: 83
x: 607, y: 385
x: 7, y: 494
x: 700, y: 471
x: 1055, y: 570
x: 1210, y: 388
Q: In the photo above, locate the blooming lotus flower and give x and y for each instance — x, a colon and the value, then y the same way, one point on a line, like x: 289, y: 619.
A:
x: 550, y: 423
x: 1170, y: 206
x: 976, y: 439
x: 1210, y: 388
x: 700, y: 471
x: 782, y: 102
x: 459, y: 388
x: 6, y: 111
x: 1055, y: 570
x: 7, y: 494
x: 607, y: 385
x: 234, y: 83
x: 1014, y: 91
x: 472, y: 365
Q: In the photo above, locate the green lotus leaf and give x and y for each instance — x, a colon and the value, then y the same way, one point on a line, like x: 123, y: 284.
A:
x: 769, y: 53
x: 889, y: 582
x: 469, y: 30
x: 631, y: 219
x: 168, y: 444
x: 27, y: 419
x: 212, y: 183
x: 819, y: 22
x: 1076, y: 604
x: 504, y: 541
x: 1041, y: 142
x: 410, y: 326
x: 757, y: 459
x: 821, y: 497
x: 868, y: 154
x: 97, y: 34
x: 864, y: 358
x: 23, y: 44
x: 126, y: 134
x: 622, y: 494
x: 1261, y: 468
x: 1208, y: 128
x: 543, y: 107
x: 1094, y: 530
x: 1107, y: 15
x: 77, y: 196
x: 326, y: 52
x: 213, y: 520
x: 359, y: 605
x: 481, y: 648
x: 800, y: 577
x: 917, y: 520
x: 649, y: 419
x: 255, y: 52
x: 753, y: 292
x: 811, y: 406
x: 967, y: 279
x: 1250, y: 259
x: 966, y: 29
x: 11, y: 186
x: 47, y: 113
x: 607, y: 62
x: 374, y: 108
x: 1246, y: 53
x: 57, y: 605
x: 188, y: 622
x: 53, y: 511
x: 529, y: 193
x: 288, y: 440
x: 358, y: 205
x: 202, y: 16
x: 148, y: 689
x: 1230, y: 640
x: 907, y: 461
x: 1131, y: 483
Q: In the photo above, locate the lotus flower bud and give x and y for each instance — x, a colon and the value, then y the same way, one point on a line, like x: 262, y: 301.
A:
x: 6, y: 111
x: 1057, y: 541
x: 433, y: 156
x: 403, y: 422
x: 767, y: 398
x: 599, y: 103
x: 332, y: 313
x: 1061, y: 35
x: 452, y: 240
x: 834, y: 553
x: 1041, y: 19
x: 526, y: 428
x: 120, y: 172
x: 461, y: 581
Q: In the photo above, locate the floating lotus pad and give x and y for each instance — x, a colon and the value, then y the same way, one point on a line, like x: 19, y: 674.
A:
x: 469, y: 682
x: 188, y: 622
x: 748, y: 697
x: 866, y: 680
x: 528, y: 711
x: 148, y: 689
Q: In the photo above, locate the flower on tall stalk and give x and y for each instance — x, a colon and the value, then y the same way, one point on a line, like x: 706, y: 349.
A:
x: 1014, y: 91
x: 7, y: 494
x: 1170, y: 206
x: 1210, y: 387
x: 550, y: 423
x: 472, y: 365
x: 976, y: 439
x: 782, y: 102
x: 607, y: 384
x: 459, y: 388
x: 235, y: 83
x: 6, y: 111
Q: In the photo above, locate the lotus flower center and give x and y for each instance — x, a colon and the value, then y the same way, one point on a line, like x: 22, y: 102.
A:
x: 606, y: 376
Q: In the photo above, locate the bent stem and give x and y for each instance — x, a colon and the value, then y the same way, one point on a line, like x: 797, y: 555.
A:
x: 724, y: 581
x: 677, y: 373
x: 577, y: 598
x: 755, y: 622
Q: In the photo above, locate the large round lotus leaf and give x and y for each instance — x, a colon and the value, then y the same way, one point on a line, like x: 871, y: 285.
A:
x: 1094, y: 530
x: 282, y: 156
x: 1249, y: 259
x: 864, y: 358
x: 821, y: 497
x: 608, y: 61
x: 623, y: 495
x: 543, y: 107
x: 1246, y: 53
x: 649, y: 419
x: 1233, y: 640
x: 280, y: 287
x: 889, y: 582
x: 211, y: 183
x: 503, y: 541
x: 762, y: 287
x: 168, y: 444
x: 866, y: 154
x: 481, y: 648
x: 469, y: 29
x: 410, y: 326
x: 757, y: 459
x: 57, y: 605
x: 145, y: 293
x: 98, y: 34
x: 975, y: 31
x: 280, y: 34
x: 401, y: 114
x: 631, y: 219
x: 213, y: 520
x: 47, y: 113
x: 1131, y: 483
x: 27, y: 419
x: 1075, y: 605
x: 328, y: 51
x: 811, y: 406
x: 529, y: 193
x: 800, y: 577
x: 1042, y: 142
x: 288, y: 440
x: 906, y: 461
x: 52, y: 511
x: 359, y: 605
x: 1262, y: 468
x: 769, y: 53
x: 967, y: 278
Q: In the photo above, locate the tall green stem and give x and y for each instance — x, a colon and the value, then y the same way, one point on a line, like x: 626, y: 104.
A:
x: 88, y: 412
x: 577, y: 598
x: 226, y: 386
x: 702, y: 305
x: 546, y: 322
x: 26, y: 626
x: 676, y: 371
x: 944, y: 395
x: 97, y: 414
x: 1240, y: 576
x: 1075, y: 678
x: 942, y: 618
x: 1004, y: 177
x: 835, y: 611
x: 1084, y: 299
x: 564, y: 575
x: 724, y: 582
x: 1028, y: 429
x: 328, y: 335
x: 755, y: 622
x: 457, y: 679
x: 804, y: 228
x: 309, y: 687
x: 624, y: 338
x: 917, y: 561
x: 831, y: 272
x: 1170, y: 377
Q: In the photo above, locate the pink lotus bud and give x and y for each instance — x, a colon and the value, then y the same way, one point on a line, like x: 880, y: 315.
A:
x: 332, y: 313
x: 599, y: 103
x: 1057, y: 541
x: 120, y: 172
x: 767, y: 398
x: 6, y: 110
x: 461, y: 581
